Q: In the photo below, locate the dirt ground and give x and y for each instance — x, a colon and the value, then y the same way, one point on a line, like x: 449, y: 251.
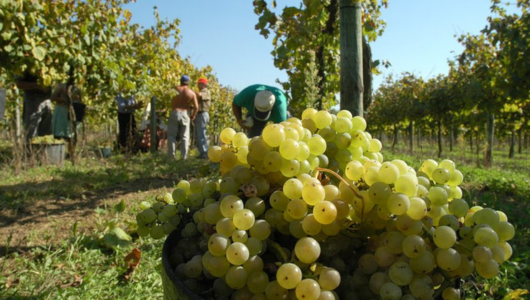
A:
x: 50, y: 220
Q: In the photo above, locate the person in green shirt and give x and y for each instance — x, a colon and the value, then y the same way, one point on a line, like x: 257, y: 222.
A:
x: 263, y: 103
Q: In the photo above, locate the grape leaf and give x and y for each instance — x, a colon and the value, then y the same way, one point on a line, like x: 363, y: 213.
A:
x: 39, y: 53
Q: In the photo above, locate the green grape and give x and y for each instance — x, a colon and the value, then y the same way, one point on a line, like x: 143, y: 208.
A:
x: 292, y: 133
x: 242, y: 154
x: 257, y: 149
x: 214, y: 153
x: 486, y: 216
x: 317, y: 145
x: 325, y: 212
x: 218, y: 266
x: 297, y: 208
x: 144, y: 205
x: 388, y: 173
x: 406, y: 184
x: 275, y: 291
x: 257, y: 282
x: 228, y: 159
x: 438, y: 196
x: 273, y: 135
x: 289, y: 149
x: 342, y: 141
x: 343, y: 124
x: 417, y: 209
x: 450, y: 293
x: 329, y: 279
x: 358, y: 123
x: 239, y: 235
x: 304, y: 152
x: 230, y: 205
x: 505, y: 230
x: 487, y: 237
x: 322, y: 119
x: 440, y: 175
x: 261, y: 183
x: 400, y: 273
x: 256, y: 205
x: 449, y: 220
x: 228, y: 185
x: 310, y: 225
x: 307, y: 250
x: 398, y: 203
x: 444, y: 237
x: 236, y: 277
x: 212, y: 213
x: 354, y: 170
x: 313, y: 193
x: 254, y: 245
x: 413, y: 246
x: 290, y: 168
x: 394, y: 241
x: 423, y: 264
x: 482, y: 253
x: 279, y: 200
x: 488, y: 269
x: 244, y: 219
x: 272, y: 161
x: 390, y: 291
x: 260, y: 230
x: 237, y: 253
x: 288, y: 276
x: 428, y: 167
x: 458, y: 207
x: 240, y: 139
x: 225, y: 226
x: 456, y: 178
x: 448, y: 259
x: 157, y: 232
x: 226, y: 135
x: 148, y: 216
x: 308, y: 289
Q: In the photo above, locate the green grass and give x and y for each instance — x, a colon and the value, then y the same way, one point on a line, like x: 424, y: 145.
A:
x: 80, y: 267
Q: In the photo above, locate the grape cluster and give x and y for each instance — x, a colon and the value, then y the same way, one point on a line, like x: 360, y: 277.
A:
x: 310, y: 210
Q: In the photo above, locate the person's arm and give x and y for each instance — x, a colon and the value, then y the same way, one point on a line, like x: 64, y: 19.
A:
x: 237, y: 113
x: 195, y: 108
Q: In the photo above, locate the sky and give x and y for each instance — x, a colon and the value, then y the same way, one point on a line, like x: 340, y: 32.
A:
x: 419, y: 37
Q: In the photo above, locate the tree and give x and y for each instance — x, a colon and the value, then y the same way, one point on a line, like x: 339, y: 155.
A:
x: 312, y: 27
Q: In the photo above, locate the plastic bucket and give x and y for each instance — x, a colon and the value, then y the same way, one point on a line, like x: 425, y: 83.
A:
x: 52, y: 154
x: 174, y: 288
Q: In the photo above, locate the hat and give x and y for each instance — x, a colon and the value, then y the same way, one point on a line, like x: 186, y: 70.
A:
x: 202, y: 80
x: 185, y: 79
x: 263, y: 103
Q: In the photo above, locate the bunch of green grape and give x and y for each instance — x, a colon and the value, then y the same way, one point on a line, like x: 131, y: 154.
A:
x: 310, y: 210
x: 46, y: 139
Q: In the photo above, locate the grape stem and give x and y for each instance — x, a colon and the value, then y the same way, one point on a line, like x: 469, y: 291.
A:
x: 347, y: 184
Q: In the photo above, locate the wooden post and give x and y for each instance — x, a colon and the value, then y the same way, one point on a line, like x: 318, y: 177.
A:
x: 154, y: 144
x: 351, y: 57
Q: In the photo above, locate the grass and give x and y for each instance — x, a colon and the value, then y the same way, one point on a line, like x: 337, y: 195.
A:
x: 74, y: 263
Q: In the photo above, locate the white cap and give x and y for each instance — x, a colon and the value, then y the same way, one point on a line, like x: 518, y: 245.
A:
x: 263, y: 103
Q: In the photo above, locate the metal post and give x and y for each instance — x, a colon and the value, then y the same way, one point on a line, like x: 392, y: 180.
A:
x: 154, y: 144
x: 351, y: 57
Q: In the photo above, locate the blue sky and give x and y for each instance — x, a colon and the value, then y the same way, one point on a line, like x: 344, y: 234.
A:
x: 419, y: 37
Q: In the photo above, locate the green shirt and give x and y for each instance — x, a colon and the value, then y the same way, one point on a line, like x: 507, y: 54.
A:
x: 245, y: 99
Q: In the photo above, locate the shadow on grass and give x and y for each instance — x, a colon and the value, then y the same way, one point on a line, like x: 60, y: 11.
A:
x: 83, y: 188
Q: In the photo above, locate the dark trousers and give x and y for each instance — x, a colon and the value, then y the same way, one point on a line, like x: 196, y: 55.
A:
x: 127, y: 134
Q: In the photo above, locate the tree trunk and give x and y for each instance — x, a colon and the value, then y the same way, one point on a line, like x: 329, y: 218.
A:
x: 471, y: 141
x: 394, y: 138
x: 411, y: 137
x: 511, y: 154
x: 351, y: 58
x: 419, y: 139
x: 440, y: 139
x: 520, y: 140
x: 490, y: 127
x: 451, y: 136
